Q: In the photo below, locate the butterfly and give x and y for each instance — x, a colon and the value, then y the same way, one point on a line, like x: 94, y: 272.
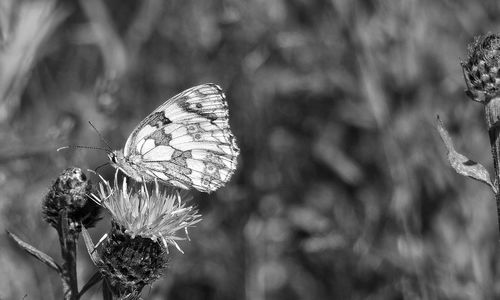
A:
x: 185, y: 142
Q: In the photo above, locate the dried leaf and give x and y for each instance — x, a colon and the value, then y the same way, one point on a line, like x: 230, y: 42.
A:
x: 46, y: 259
x: 463, y: 165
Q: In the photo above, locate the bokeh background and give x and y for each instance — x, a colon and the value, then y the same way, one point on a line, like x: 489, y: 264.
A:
x: 342, y: 191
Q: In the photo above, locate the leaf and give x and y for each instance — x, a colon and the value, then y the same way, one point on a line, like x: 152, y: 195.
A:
x: 463, y: 165
x: 93, y: 280
x: 90, y: 247
x: 46, y: 259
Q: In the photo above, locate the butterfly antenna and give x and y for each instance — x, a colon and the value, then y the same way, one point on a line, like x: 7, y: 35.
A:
x: 82, y: 147
x: 100, y: 136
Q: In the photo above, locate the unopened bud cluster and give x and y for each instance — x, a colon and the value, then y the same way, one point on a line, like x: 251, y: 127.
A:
x: 144, y: 222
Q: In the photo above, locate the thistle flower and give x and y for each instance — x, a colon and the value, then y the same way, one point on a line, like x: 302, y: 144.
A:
x: 482, y: 68
x: 144, y: 223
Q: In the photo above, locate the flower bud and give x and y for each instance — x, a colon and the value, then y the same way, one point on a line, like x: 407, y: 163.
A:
x: 71, y: 192
x: 481, y: 68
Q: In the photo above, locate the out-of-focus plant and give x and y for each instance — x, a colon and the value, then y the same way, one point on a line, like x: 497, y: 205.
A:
x: 24, y: 27
x: 119, y: 53
x: 482, y: 77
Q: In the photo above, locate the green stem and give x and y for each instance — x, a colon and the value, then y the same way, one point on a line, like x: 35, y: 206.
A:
x: 68, y: 238
x: 492, y: 110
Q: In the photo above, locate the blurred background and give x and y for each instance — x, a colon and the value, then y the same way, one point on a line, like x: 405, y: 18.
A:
x: 343, y: 190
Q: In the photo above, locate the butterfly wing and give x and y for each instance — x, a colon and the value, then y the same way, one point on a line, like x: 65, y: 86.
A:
x: 187, y: 141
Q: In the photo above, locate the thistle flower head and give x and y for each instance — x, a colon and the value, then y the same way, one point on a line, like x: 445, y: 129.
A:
x: 144, y: 223
x: 482, y: 68
x: 155, y: 214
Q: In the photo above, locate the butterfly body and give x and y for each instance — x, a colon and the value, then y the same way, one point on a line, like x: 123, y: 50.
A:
x: 129, y: 166
x: 186, y: 142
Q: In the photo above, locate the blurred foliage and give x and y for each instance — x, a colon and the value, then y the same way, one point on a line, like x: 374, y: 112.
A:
x: 343, y: 190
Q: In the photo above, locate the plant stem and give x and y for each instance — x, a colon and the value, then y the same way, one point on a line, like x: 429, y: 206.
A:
x: 69, y: 268
x: 68, y: 238
x: 492, y: 110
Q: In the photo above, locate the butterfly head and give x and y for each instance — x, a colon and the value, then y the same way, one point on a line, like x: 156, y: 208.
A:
x: 126, y: 165
x: 116, y: 157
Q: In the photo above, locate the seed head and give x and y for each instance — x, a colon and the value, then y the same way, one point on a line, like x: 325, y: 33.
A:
x: 482, y: 68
